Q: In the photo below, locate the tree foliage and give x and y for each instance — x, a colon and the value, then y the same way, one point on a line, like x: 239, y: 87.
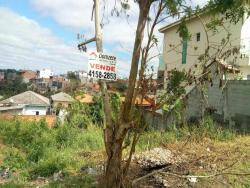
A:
x: 116, y: 132
x: 12, y: 84
x: 232, y: 10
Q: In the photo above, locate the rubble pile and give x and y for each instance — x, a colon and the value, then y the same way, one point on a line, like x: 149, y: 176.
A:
x: 5, y: 173
x: 155, y: 158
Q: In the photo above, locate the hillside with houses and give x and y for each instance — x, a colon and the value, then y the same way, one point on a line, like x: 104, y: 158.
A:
x: 147, y: 94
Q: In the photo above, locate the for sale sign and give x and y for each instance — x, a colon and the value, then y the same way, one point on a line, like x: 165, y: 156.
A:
x: 101, y: 66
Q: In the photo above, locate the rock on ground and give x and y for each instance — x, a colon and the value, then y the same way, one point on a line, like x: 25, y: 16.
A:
x: 155, y: 158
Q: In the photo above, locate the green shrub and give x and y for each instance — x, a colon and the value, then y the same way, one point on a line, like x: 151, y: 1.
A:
x: 64, y: 136
x: 35, y: 150
x: 21, y: 133
x: 14, y: 159
x: 90, y: 139
x: 206, y: 129
x: 13, y: 184
x: 96, y: 110
x: 39, y: 151
x: 47, y: 167
x: 210, y: 129
x: 79, y: 121
x: 79, y: 115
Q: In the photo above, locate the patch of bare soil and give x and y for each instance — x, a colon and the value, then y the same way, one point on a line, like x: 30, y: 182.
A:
x: 194, y: 164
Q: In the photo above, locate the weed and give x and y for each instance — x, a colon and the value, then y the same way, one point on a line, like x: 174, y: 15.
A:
x: 14, y: 159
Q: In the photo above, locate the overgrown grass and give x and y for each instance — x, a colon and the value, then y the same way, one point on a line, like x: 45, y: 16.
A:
x: 32, y: 150
x: 196, y: 133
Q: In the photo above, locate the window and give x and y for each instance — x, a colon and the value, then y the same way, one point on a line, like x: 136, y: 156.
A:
x: 184, y: 51
x: 198, y: 37
x: 37, y: 113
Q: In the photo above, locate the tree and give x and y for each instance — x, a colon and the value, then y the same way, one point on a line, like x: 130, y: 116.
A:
x: 75, y: 83
x: 116, y: 131
x: 72, y: 76
x: 13, y: 84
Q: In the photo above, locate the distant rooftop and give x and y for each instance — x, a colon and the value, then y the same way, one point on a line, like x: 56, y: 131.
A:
x: 28, y: 97
x: 18, y: 107
x: 63, y: 97
x: 86, y: 98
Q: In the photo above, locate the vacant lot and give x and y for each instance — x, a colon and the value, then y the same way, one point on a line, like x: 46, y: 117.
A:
x: 211, y: 163
x: 33, y: 155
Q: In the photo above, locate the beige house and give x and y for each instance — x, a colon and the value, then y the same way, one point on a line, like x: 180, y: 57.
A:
x: 184, y: 54
x: 61, y: 100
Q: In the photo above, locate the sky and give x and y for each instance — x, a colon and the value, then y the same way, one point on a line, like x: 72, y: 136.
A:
x: 38, y: 34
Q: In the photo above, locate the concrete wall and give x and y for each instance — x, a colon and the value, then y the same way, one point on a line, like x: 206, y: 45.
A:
x: 229, y: 105
x: 232, y: 104
x: 194, y: 105
x: 154, y: 120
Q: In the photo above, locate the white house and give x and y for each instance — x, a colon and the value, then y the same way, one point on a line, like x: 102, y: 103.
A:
x: 184, y: 54
x: 27, y: 103
x: 45, y: 73
x: 82, y: 75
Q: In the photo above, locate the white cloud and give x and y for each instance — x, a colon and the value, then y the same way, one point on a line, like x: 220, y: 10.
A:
x: 25, y: 44
x: 118, y: 31
x: 76, y: 15
x: 199, y: 2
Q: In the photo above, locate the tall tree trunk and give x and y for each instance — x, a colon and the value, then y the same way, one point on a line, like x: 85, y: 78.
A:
x: 144, y: 6
x: 113, y: 174
x: 114, y: 141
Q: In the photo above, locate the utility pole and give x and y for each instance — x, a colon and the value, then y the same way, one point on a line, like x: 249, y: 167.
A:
x: 98, y: 32
x: 99, y: 48
x: 108, y: 122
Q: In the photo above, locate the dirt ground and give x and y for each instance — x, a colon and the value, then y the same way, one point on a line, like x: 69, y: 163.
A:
x: 207, y: 163
x: 203, y: 164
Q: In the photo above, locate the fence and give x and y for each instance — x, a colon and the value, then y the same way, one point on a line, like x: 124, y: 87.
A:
x: 230, y: 105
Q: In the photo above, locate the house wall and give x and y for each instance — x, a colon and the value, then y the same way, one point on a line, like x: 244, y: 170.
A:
x: 46, y: 73
x: 172, y: 51
x: 13, y: 112
x: 31, y: 110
